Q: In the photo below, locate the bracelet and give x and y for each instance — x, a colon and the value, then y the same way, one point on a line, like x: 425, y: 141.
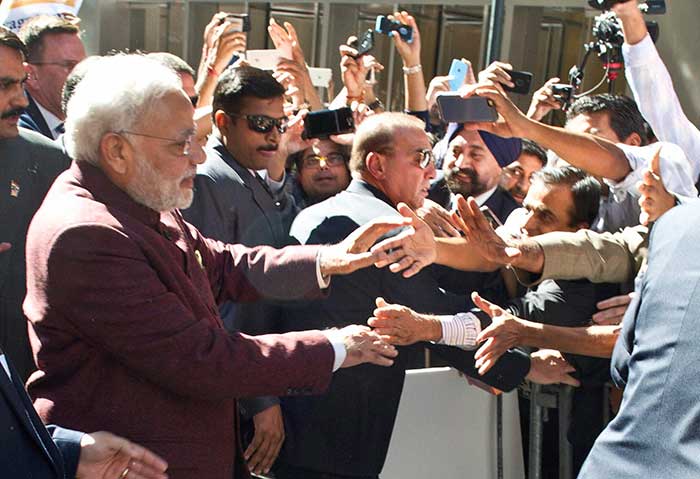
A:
x: 413, y: 70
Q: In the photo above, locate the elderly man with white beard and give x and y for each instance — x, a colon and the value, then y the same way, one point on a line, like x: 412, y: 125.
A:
x: 122, y: 292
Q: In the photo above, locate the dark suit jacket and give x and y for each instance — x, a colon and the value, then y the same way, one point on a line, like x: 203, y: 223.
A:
x: 656, y: 433
x: 29, y: 163
x: 347, y: 430
x: 124, y: 324
x: 30, y: 450
x: 231, y: 205
x: 32, y: 119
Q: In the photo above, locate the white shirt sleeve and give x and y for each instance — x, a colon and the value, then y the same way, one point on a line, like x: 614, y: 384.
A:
x: 676, y: 172
x: 652, y: 87
x: 460, y: 330
x: 336, y: 340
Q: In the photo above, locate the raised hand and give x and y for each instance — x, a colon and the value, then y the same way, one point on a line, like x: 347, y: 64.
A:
x: 402, y: 326
x: 106, y: 456
x: 543, y: 101
x: 480, y: 235
x: 409, y: 52
x: 504, y: 332
x: 439, y: 220
x: 352, y: 253
x: 363, y: 345
x: 410, y: 251
x: 548, y: 366
x: 612, y: 310
x: 655, y: 200
x: 286, y: 41
x: 267, y: 441
x: 512, y: 122
x: 497, y: 75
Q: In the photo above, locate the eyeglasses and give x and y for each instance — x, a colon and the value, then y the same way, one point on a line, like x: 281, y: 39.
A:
x: 333, y: 159
x: 262, y: 123
x: 184, y: 145
x: 67, y: 64
x: 426, y: 157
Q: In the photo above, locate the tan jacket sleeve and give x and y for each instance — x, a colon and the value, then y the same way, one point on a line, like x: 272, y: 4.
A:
x: 598, y: 257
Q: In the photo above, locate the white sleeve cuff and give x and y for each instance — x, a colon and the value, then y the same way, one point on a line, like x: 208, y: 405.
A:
x: 275, y: 186
x: 460, y: 330
x: 336, y: 339
x: 323, y: 281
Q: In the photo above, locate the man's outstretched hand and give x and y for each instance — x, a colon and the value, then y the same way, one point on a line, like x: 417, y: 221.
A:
x: 402, y: 326
x: 548, y: 366
x: 353, y: 252
x: 363, y: 345
x: 106, y: 456
x: 480, y: 235
x: 410, y: 251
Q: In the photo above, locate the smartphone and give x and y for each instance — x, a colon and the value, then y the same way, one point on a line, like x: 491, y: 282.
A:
x: 263, y: 59
x: 364, y: 43
x: 522, y: 81
x: 240, y: 22
x: 455, y: 109
x: 491, y: 217
x: 458, y: 72
x: 386, y: 26
x: 324, y: 123
x: 320, y: 77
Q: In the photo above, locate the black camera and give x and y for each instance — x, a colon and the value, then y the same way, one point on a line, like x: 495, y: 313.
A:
x: 564, y: 94
x: 324, y: 123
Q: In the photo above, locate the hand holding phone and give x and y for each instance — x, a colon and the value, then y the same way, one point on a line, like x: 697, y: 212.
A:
x: 522, y: 82
x: 386, y: 26
x: 324, y: 123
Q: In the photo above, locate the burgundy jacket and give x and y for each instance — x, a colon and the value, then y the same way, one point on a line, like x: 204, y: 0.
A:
x: 122, y: 303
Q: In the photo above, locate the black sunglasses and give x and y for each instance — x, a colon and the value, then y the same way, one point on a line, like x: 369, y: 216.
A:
x: 262, y: 123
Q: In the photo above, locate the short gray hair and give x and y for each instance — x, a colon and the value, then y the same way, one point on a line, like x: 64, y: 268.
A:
x: 116, y: 95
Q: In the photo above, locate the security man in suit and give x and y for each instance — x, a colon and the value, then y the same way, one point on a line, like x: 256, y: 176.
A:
x: 234, y: 203
x: 54, y: 47
x: 29, y: 165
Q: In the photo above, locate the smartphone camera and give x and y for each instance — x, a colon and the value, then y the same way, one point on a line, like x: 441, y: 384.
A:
x: 386, y: 26
x: 564, y: 94
x: 324, y: 123
x: 240, y: 22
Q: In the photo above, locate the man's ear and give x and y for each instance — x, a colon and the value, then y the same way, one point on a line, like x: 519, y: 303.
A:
x: 633, y: 140
x: 115, y: 154
x: 32, y: 77
x: 222, y: 121
x: 375, y: 163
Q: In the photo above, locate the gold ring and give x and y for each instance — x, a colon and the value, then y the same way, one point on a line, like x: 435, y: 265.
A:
x: 125, y: 473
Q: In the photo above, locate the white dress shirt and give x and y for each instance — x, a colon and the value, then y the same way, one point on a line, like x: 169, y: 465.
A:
x: 652, y: 87
x: 52, y: 121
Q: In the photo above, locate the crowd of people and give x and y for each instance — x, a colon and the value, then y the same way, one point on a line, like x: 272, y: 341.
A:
x: 184, y: 268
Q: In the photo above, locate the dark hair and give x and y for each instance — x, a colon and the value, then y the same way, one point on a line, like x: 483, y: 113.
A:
x: 584, y: 188
x: 235, y: 84
x: 35, y: 29
x: 624, y: 115
x: 74, y: 77
x: 10, y: 40
x: 174, y: 62
x: 529, y: 147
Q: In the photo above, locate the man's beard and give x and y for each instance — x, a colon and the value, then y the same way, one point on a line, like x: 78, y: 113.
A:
x: 472, y: 188
x: 151, y: 190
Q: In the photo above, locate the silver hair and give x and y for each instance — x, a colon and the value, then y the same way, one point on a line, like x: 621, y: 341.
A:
x: 116, y: 94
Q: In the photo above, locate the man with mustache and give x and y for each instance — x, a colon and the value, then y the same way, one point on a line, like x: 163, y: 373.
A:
x: 28, y: 165
x: 234, y: 203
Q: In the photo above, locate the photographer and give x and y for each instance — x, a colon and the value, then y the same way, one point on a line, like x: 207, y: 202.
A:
x: 650, y: 81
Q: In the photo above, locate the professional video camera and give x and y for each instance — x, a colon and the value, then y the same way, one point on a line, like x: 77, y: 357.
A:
x: 607, y: 44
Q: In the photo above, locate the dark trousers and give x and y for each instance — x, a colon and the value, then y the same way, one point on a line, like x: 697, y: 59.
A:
x: 284, y: 471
